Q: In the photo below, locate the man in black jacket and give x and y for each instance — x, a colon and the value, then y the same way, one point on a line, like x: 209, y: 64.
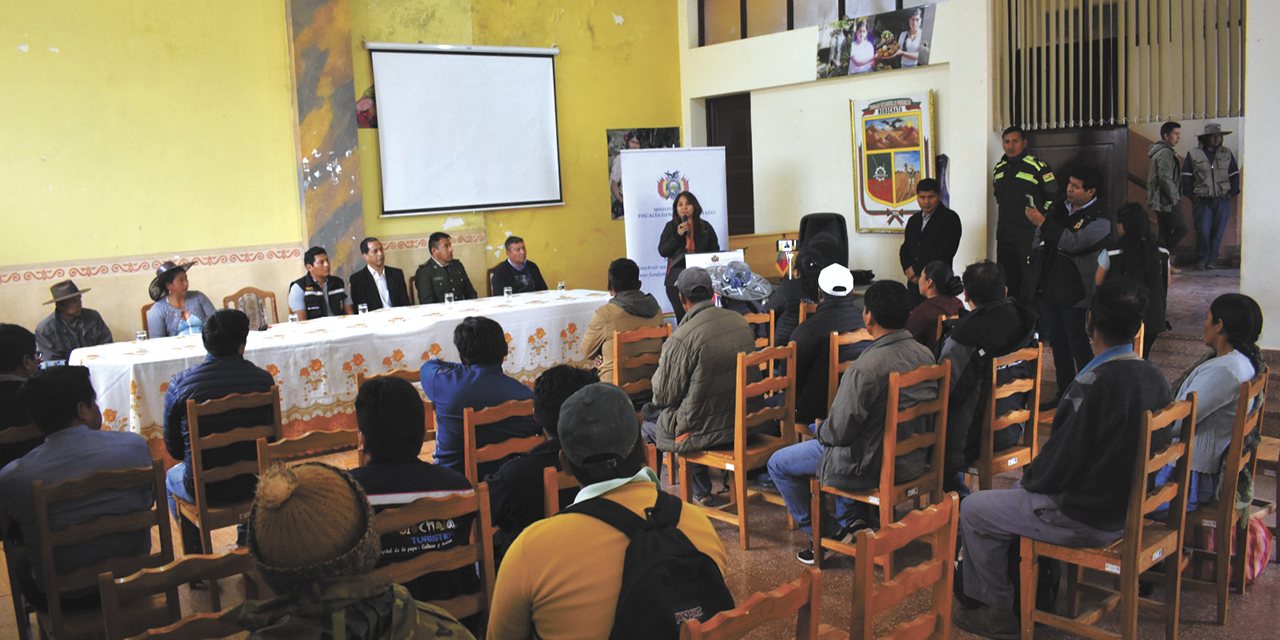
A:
x: 1019, y: 179
x: 517, y: 271
x: 1076, y: 492
x: 377, y: 286
x: 840, y: 311
x: 932, y: 234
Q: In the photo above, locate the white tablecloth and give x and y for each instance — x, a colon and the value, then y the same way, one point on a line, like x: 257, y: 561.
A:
x: 315, y: 362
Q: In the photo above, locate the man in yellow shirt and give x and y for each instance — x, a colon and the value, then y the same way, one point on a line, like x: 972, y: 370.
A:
x: 562, y: 576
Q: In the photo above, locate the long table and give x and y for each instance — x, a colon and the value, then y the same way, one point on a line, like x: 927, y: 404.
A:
x: 315, y: 362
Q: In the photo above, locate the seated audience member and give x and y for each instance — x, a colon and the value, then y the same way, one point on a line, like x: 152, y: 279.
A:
x: 1135, y: 254
x: 939, y: 286
x: 223, y: 372
x: 517, y: 271
x: 563, y: 576
x: 377, y: 286
x: 63, y: 405
x: 1076, y: 491
x: 932, y: 234
x: 800, y: 288
x: 1231, y: 328
x: 313, y: 540
x: 390, y: 417
x: 838, y: 310
x: 70, y: 326
x: 515, y: 490
x: 177, y: 311
x: 18, y: 361
x: 847, y: 449
x: 318, y: 294
x: 628, y: 309
x: 477, y: 382
x: 693, y: 388
x: 442, y: 274
x: 996, y: 327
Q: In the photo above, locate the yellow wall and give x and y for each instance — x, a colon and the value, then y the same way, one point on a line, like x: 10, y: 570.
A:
x: 156, y: 126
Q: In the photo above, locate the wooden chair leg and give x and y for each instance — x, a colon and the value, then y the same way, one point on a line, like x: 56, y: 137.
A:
x: 672, y: 476
x: 740, y: 493
x: 886, y: 519
x: 1172, y: 594
x: 1128, y: 602
x: 815, y: 520
x: 1029, y: 572
x: 1222, y: 567
x: 681, y: 471
x: 1241, y: 533
x: 1074, y: 573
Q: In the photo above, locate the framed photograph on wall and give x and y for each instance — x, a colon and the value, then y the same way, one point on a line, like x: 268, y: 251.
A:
x: 892, y: 151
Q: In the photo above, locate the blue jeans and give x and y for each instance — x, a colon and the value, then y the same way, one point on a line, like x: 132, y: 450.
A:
x: 173, y: 481
x: 1210, y: 216
x: 791, y: 469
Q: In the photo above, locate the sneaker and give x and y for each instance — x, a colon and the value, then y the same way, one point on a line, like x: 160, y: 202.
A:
x: 806, y: 555
x: 988, y: 622
x: 956, y: 483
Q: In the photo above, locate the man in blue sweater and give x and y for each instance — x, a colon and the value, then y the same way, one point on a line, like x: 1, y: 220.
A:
x: 1076, y: 491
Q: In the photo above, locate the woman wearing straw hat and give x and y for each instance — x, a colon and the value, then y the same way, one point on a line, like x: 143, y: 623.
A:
x: 177, y: 310
x: 70, y: 326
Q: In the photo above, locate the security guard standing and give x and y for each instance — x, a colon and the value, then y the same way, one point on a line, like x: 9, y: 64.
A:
x: 1020, y: 180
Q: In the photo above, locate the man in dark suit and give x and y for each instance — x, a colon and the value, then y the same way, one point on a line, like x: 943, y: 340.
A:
x: 377, y: 285
x: 932, y: 234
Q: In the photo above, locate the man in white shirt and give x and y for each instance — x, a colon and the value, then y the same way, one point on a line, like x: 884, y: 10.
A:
x: 377, y: 285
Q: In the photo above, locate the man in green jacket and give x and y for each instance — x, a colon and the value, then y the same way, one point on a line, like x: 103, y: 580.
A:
x: 1164, y: 193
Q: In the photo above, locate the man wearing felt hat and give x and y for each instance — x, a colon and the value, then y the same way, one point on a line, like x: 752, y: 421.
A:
x: 70, y: 326
x: 1211, y: 178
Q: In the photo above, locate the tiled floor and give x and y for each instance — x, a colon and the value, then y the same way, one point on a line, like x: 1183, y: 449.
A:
x: 771, y: 560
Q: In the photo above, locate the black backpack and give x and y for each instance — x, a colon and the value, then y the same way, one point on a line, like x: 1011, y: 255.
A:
x: 665, y: 579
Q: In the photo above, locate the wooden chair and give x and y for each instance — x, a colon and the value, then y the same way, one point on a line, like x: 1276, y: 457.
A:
x: 199, y: 512
x: 480, y: 550
x: 145, y: 309
x: 806, y: 310
x: 1269, y: 465
x: 633, y: 365
x: 1145, y: 543
x: 936, y: 526
x: 766, y: 319
x: 254, y: 303
x: 413, y: 377
x: 554, y: 481
x: 836, y: 366
x: 122, y: 623
x: 1222, y: 517
x: 413, y: 289
x: 889, y: 491
x: 801, y: 597
x: 308, y: 445
x: 752, y: 452
x: 991, y: 463
x: 488, y: 280
x: 57, y: 622
x: 473, y: 457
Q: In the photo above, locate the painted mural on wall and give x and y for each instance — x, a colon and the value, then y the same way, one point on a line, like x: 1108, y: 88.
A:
x: 880, y: 42
x: 893, y: 150
x: 619, y: 139
x: 329, y: 161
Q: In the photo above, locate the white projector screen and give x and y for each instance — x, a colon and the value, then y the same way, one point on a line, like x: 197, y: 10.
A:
x: 465, y: 129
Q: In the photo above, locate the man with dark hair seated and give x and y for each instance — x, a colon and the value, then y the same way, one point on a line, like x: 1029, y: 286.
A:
x: 628, y: 309
x: 441, y: 274
x: 517, y: 271
x: 563, y: 576
x: 391, y: 420
x: 996, y: 327
x: 839, y: 311
x: 18, y: 361
x: 224, y: 372
x: 1076, y: 492
x: 847, y: 450
x: 64, y: 406
x: 515, y: 490
x: 477, y: 382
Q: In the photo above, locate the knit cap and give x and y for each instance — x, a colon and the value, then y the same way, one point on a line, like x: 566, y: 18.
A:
x: 310, y: 523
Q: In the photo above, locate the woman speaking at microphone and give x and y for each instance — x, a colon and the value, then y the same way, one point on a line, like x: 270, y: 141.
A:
x: 686, y: 233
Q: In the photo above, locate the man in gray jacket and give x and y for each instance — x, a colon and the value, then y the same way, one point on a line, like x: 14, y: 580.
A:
x: 694, y: 387
x: 1164, y: 192
x: 846, y: 453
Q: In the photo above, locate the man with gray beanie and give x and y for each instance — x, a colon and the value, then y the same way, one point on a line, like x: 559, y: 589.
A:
x: 563, y: 576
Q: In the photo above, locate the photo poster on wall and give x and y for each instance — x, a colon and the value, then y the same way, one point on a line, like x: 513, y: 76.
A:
x: 892, y: 151
x: 657, y: 177
x: 619, y: 139
x: 880, y: 42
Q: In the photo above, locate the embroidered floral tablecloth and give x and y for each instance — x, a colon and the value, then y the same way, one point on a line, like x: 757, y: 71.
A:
x: 315, y: 362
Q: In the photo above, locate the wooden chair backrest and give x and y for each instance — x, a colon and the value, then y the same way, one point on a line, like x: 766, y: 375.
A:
x: 116, y: 480
x: 480, y: 549
x: 488, y: 280
x: 835, y: 366
x: 414, y: 378
x: 807, y: 309
x: 166, y: 579
x: 1249, y: 410
x: 553, y: 482
x: 1029, y: 417
x: 801, y: 597
x: 237, y: 299
x: 413, y: 289
x: 766, y: 319
x: 625, y: 364
x: 308, y: 445
x: 272, y: 430
x: 935, y: 525
x: 935, y: 438
x: 1142, y: 500
x: 1138, y: 338
x: 473, y: 457
x: 942, y: 320
x: 145, y: 309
